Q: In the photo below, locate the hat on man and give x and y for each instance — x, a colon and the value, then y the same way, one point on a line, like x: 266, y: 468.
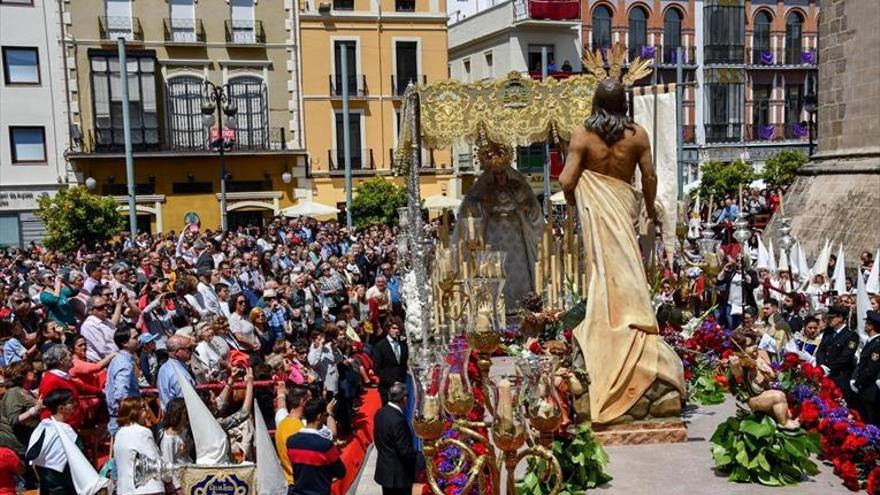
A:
x: 838, y: 311
x: 146, y: 338
x: 269, y: 294
x: 873, y: 317
x: 186, y: 331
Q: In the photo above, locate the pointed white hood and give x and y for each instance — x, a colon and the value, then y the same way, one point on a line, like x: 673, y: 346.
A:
x: 863, y: 304
x: 783, y: 261
x: 270, y: 475
x: 771, y: 257
x: 839, y: 277
x: 763, y: 263
x: 86, y: 480
x: 803, y: 267
x: 821, y: 266
x: 211, y: 442
x: 793, y: 263
x: 873, y: 284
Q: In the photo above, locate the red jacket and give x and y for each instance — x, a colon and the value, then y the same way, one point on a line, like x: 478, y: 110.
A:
x: 50, y: 382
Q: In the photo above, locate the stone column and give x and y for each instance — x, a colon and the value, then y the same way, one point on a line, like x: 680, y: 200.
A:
x: 836, y: 195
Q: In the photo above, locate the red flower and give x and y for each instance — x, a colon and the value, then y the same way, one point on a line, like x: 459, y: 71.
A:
x: 873, y: 481
x: 813, y: 373
x: 688, y: 374
x: 721, y: 380
x: 809, y: 413
x: 791, y: 361
x: 567, y: 335
x: 726, y: 354
x: 479, y: 449
x: 853, y: 444
x: 535, y: 347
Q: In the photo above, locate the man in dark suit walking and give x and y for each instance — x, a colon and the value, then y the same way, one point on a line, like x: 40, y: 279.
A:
x: 836, y: 353
x: 396, y: 456
x: 866, y: 377
x: 390, y: 356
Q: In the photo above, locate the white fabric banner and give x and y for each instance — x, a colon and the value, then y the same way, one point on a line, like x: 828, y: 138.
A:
x: 664, y: 155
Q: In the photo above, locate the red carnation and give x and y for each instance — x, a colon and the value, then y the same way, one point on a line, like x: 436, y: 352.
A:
x: 535, y: 347
x: 721, y: 380
x: 791, y: 361
x: 874, y: 481
x: 726, y: 354
x: 809, y: 413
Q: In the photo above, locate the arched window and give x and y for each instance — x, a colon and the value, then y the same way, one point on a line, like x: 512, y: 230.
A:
x: 183, y: 105
x: 601, y: 27
x: 761, y: 52
x: 671, y: 35
x: 252, y: 120
x: 794, y: 30
x: 638, y: 31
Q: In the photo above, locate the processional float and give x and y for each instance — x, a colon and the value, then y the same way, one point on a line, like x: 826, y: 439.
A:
x: 454, y: 293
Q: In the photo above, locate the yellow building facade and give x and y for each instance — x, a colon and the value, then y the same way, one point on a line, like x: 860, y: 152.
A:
x: 388, y: 44
x: 249, y: 47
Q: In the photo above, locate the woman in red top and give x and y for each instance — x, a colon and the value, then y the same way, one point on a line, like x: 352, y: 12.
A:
x: 59, y: 362
x: 10, y: 466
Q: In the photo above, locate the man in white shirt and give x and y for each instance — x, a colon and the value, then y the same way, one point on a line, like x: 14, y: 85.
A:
x: 98, y: 330
x: 45, y: 450
x: 207, y: 278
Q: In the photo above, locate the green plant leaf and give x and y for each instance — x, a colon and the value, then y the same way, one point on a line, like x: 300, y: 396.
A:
x: 757, y: 430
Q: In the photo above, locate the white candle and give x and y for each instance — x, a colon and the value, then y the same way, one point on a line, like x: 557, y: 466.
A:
x: 430, y: 409
x: 505, y: 404
x: 471, y: 228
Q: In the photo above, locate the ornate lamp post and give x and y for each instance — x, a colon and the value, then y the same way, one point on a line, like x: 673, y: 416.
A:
x: 786, y: 242
x: 223, y: 136
x: 742, y: 234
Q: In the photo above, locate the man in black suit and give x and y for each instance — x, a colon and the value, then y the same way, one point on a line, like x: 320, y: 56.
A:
x: 396, y: 456
x: 836, y: 353
x: 865, y: 378
x: 390, y: 356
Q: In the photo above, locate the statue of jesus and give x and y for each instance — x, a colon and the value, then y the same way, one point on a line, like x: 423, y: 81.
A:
x: 633, y: 372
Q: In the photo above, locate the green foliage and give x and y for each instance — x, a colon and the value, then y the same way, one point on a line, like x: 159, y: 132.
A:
x: 780, y: 168
x: 749, y: 448
x: 583, y: 462
x: 74, y: 217
x: 720, y: 179
x: 377, y: 201
x: 703, y: 389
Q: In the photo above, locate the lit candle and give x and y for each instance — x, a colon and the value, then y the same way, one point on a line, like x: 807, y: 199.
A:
x: 539, y: 277
x: 484, y: 320
x: 455, y: 390
x: 740, y: 197
x: 505, y: 405
x: 431, y: 408
x: 471, y: 228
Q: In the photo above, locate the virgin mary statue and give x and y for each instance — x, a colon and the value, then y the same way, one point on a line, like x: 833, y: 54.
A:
x: 512, y: 218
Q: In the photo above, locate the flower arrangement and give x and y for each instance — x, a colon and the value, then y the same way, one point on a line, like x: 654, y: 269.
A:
x: 583, y: 462
x: 852, y: 447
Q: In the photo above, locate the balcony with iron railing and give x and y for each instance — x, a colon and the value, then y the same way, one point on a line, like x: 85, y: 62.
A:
x: 112, y: 28
x: 110, y: 142
x: 723, y: 54
x: 427, y: 158
x: 245, y: 32
x: 797, y: 131
x: 399, y: 84
x: 724, y: 133
x: 357, y: 85
x: 361, y: 159
x: 546, y: 10
x: 184, y: 31
x: 465, y: 162
x: 774, y: 58
x: 662, y: 55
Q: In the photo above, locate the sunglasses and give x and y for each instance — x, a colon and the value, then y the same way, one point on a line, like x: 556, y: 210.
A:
x: 240, y: 302
x: 100, y: 306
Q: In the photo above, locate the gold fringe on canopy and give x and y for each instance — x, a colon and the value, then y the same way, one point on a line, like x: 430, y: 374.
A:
x: 514, y: 110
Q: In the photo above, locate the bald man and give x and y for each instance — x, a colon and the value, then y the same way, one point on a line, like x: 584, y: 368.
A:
x: 180, y: 349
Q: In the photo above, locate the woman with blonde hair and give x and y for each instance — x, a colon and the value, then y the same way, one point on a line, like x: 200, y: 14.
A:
x: 134, y: 440
x: 258, y: 320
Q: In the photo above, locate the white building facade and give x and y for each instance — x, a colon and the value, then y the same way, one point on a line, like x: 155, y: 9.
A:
x: 34, y: 131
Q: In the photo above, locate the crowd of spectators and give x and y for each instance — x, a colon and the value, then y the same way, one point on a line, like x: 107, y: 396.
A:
x: 92, y: 338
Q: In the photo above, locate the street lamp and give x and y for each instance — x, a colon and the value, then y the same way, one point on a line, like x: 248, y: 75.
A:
x: 786, y: 242
x: 91, y: 183
x: 222, y: 138
x: 811, y: 105
x: 742, y: 234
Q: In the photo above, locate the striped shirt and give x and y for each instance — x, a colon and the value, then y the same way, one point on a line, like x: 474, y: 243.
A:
x: 316, y: 463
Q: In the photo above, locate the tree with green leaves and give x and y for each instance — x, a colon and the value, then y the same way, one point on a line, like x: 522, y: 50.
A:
x: 721, y: 179
x: 780, y: 168
x: 74, y: 217
x: 377, y: 201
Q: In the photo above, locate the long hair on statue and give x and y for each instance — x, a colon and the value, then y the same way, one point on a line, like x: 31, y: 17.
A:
x: 610, y: 115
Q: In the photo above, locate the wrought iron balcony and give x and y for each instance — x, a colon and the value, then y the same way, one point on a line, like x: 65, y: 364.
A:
x: 361, y: 159
x: 357, y: 85
x: 242, y: 32
x: 767, y: 57
x: 110, y: 142
x: 183, y: 30
x: 114, y: 27
x: 724, y: 133
x: 724, y: 54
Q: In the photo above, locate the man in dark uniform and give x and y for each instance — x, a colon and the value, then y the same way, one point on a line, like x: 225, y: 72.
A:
x: 836, y: 353
x: 866, y: 378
